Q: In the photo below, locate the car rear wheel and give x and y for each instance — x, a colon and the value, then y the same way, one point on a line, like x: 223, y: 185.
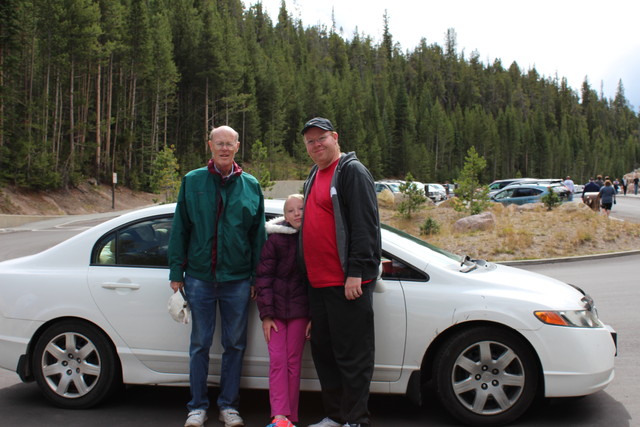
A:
x: 486, y: 376
x: 75, y: 366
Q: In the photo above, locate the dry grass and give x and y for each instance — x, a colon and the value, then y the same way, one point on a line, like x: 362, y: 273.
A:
x: 531, y: 233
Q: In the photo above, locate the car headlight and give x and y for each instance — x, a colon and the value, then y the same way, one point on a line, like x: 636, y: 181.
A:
x: 572, y: 318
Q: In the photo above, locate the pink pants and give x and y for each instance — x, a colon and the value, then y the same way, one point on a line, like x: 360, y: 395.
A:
x: 285, y: 354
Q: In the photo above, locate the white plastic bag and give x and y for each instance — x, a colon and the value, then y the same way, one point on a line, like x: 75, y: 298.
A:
x: 178, y: 307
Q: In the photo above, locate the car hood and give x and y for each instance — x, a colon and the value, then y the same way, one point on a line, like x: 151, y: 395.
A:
x: 540, y: 291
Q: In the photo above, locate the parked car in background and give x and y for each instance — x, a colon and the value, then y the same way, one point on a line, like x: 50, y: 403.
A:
x: 499, y: 184
x: 394, y: 187
x: 554, y: 182
x: 420, y: 186
x: 436, y: 192
x: 543, y: 181
x: 520, y: 193
x: 452, y: 189
x: 89, y: 314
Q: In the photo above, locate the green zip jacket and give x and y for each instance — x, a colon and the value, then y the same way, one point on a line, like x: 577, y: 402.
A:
x: 240, y: 227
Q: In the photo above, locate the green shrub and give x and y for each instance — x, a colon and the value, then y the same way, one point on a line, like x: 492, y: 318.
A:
x: 471, y: 196
x: 430, y: 227
x: 551, y: 199
x: 413, y: 199
x: 165, y: 178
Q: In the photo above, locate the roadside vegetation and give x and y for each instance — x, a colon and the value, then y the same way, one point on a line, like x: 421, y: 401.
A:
x: 548, y: 229
x: 571, y: 229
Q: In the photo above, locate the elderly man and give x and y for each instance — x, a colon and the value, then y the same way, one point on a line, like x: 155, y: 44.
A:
x: 217, y: 235
x: 341, y: 253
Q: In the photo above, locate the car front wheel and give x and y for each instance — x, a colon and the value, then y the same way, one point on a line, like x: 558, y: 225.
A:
x: 486, y: 376
x: 75, y: 365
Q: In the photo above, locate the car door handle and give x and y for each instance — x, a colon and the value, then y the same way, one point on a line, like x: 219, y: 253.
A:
x: 117, y: 285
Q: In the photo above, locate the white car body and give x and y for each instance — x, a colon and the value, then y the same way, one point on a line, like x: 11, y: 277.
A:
x: 440, y: 193
x: 414, y: 318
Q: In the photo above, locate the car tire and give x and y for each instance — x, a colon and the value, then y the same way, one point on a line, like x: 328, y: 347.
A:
x: 75, y: 365
x: 486, y: 376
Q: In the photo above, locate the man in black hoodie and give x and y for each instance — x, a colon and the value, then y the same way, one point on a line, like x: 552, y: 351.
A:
x: 341, y: 252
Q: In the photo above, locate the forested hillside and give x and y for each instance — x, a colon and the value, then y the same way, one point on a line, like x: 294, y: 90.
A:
x: 91, y: 87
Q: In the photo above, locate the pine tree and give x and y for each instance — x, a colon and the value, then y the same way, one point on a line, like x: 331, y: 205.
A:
x: 165, y: 178
x: 471, y: 195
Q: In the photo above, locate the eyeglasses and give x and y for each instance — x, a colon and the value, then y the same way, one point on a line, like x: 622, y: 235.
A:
x: 321, y: 140
x: 221, y: 145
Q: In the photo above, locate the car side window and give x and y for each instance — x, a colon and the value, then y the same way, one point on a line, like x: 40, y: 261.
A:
x: 396, y: 269
x: 139, y: 244
x: 504, y: 194
x: 526, y: 192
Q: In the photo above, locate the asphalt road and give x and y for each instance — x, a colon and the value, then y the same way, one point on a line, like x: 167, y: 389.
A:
x: 613, y: 283
x: 627, y: 208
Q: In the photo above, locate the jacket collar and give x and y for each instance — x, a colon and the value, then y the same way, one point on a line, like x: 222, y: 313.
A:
x: 236, y: 170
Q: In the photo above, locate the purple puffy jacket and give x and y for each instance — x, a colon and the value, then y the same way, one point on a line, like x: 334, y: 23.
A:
x: 280, y: 286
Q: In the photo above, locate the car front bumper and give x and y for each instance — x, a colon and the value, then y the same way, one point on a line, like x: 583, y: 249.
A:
x: 575, y: 361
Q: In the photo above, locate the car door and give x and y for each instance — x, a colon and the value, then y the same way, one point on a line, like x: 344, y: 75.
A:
x: 129, y: 281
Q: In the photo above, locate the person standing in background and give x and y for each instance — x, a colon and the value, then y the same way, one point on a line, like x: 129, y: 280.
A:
x: 571, y: 186
x: 607, y: 195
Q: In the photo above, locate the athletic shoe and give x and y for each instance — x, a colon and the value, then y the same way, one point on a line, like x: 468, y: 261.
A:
x: 281, y: 422
x: 196, y: 418
x: 230, y: 417
x: 327, y: 422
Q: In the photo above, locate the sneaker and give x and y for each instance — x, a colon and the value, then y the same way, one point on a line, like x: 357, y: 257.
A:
x: 196, y: 418
x: 281, y: 422
x: 327, y: 422
x: 230, y: 417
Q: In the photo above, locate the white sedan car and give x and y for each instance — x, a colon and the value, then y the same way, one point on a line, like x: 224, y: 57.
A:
x: 90, y: 314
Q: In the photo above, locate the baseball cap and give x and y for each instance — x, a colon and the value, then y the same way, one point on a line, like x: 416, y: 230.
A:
x: 318, y: 122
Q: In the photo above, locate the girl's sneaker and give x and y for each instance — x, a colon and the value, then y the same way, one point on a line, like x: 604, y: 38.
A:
x: 281, y: 422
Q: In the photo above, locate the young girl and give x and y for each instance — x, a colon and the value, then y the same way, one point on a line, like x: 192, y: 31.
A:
x: 284, y: 310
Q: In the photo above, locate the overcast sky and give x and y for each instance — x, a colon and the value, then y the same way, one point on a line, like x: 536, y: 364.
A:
x: 571, y: 38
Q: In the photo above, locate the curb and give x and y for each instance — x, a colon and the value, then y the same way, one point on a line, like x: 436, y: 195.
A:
x: 568, y: 259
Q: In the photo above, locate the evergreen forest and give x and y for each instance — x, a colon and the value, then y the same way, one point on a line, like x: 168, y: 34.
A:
x: 93, y: 87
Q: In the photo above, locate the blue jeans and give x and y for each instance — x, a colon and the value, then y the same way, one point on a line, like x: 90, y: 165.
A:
x: 233, y: 299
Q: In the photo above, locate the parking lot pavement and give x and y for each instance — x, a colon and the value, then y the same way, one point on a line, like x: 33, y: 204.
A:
x: 8, y: 378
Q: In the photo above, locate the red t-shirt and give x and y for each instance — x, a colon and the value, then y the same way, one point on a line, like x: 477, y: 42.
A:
x: 319, y: 235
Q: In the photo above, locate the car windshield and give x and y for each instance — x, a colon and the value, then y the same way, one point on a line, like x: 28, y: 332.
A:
x: 421, y: 242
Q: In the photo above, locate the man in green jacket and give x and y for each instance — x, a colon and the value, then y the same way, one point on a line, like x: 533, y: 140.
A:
x: 217, y: 235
